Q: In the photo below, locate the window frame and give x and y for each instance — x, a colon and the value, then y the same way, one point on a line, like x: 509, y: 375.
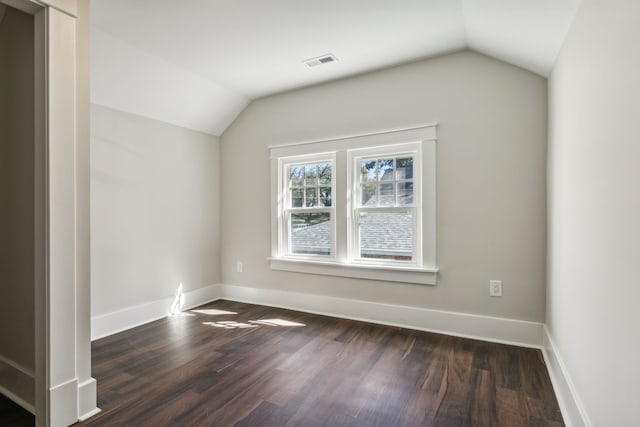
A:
x: 422, y: 269
x: 354, y: 157
x: 286, y: 209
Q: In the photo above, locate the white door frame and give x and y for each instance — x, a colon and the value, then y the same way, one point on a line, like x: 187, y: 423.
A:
x: 64, y: 390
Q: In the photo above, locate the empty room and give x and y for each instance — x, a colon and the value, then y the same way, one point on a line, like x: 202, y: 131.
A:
x: 342, y: 213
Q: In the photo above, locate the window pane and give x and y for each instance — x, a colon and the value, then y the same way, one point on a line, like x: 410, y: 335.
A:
x: 405, y: 193
x: 325, y: 196
x: 312, y: 197
x: 386, y: 235
x: 310, y: 175
x: 324, y: 173
x: 404, y: 168
x: 385, y: 167
x: 297, y: 197
x: 311, y: 233
x: 368, y: 170
x: 386, y: 197
x: 369, y: 194
x: 296, y: 173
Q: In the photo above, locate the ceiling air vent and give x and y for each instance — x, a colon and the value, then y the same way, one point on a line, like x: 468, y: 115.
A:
x: 320, y: 60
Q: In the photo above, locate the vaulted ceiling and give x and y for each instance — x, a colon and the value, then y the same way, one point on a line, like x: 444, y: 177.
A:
x: 198, y: 63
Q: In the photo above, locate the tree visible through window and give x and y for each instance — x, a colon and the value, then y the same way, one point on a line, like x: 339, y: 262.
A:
x: 354, y: 206
x: 384, y: 216
x: 310, y: 207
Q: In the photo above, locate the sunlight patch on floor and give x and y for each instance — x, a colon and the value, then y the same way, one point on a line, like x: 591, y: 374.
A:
x: 212, y: 312
x: 230, y: 325
x: 277, y: 322
x: 182, y: 314
x: 252, y: 323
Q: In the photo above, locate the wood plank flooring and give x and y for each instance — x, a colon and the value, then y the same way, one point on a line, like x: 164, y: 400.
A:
x: 253, y: 367
x: 12, y: 415
x: 197, y: 370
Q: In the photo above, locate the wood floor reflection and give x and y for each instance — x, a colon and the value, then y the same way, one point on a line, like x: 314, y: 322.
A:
x: 235, y: 364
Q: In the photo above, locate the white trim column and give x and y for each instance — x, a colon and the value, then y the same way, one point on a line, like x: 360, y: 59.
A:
x: 87, y: 387
x: 72, y: 391
x: 64, y: 389
x: 63, y: 384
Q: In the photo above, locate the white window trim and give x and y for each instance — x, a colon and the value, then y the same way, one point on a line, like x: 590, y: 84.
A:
x: 284, y: 209
x: 353, y: 157
x: 424, y: 271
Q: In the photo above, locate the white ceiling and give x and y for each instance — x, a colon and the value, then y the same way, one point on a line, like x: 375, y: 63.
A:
x: 198, y: 63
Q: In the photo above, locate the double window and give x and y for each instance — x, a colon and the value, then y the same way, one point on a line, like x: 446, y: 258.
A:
x: 359, y: 207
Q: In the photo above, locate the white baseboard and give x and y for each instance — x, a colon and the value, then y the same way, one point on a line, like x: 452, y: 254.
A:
x: 201, y: 296
x: 573, y: 411
x: 121, y: 320
x: 87, y: 393
x: 495, y: 329
x: 17, y: 383
x: 487, y: 328
x: 63, y: 403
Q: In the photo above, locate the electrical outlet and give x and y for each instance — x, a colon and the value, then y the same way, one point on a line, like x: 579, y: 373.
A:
x: 239, y: 267
x: 495, y: 288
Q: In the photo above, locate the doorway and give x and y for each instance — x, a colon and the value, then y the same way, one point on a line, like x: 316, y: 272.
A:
x: 45, y: 347
x: 17, y: 201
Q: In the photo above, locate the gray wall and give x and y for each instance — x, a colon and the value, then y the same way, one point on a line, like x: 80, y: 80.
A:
x: 491, y: 179
x: 154, y: 210
x: 17, y: 333
x: 594, y: 209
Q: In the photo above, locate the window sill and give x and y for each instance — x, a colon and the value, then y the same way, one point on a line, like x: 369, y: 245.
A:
x: 422, y: 276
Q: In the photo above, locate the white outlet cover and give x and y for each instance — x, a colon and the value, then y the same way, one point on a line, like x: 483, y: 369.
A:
x: 495, y: 288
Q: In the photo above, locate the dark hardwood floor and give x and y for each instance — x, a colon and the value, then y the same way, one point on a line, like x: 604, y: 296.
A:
x: 252, y: 367
x: 12, y: 415
x: 242, y: 369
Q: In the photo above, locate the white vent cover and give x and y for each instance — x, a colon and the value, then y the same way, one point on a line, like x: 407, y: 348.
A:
x: 320, y: 60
